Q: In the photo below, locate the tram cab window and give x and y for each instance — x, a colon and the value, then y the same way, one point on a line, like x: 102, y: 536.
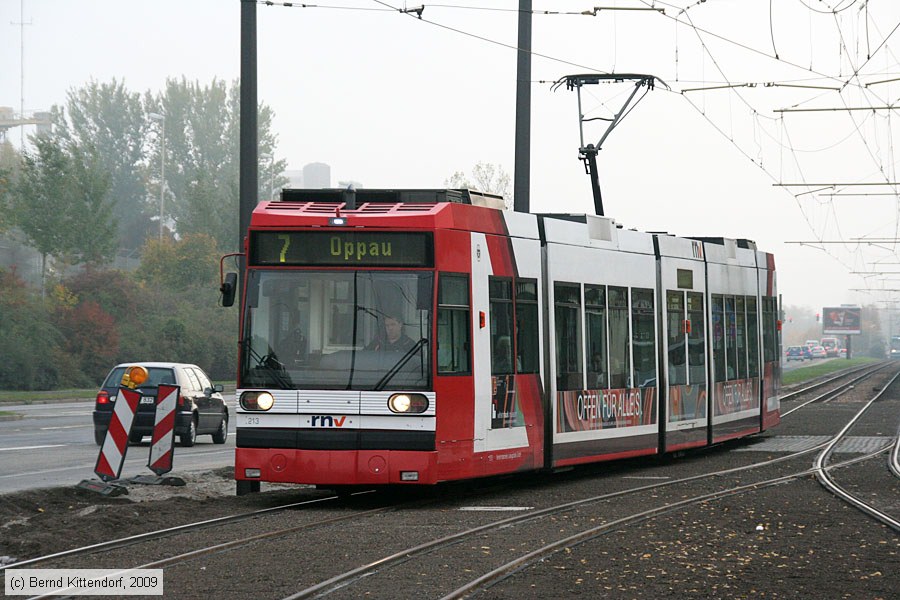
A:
x: 643, y: 337
x: 619, y: 340
x: 453, y: 324
x: 569, y: 361
x: 501, y: 313
x: 526, y: 307
x: 308, y: 329
x: 595, y: 330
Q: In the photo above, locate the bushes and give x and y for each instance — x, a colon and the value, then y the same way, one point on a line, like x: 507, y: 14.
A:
x: 166, y: 312
x: 32, y: 353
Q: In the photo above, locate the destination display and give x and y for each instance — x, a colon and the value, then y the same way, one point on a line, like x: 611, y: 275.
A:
x: 341, y: 249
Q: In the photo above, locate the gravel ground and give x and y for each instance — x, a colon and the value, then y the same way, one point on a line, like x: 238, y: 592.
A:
x: 793, y: 540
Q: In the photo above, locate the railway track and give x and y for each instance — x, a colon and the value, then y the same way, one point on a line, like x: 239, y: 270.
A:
x: 730, y: 482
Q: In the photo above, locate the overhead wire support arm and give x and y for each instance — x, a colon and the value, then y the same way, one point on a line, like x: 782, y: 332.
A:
x: 597, y: 9
x: 588, y: 152
x: 836, y: 109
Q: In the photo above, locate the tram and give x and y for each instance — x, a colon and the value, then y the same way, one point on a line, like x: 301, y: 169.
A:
x: 420, y: 336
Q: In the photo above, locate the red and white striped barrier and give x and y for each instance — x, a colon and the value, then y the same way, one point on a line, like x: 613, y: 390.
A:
x: 161, y: 448
x: 115, y: 444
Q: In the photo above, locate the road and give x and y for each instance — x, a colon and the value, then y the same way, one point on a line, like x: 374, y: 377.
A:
x: 53, y: 445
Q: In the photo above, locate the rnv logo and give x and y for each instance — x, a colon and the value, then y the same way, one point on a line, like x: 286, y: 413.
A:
x: 328, y: 421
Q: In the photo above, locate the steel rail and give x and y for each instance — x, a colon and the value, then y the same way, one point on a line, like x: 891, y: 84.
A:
x: 822, y: 469
x: 226, y: 545
x: 152, y: 535
x: 517, y: 564
x: 831, y: 394
x: 339, y: 581
x: 894, y: 460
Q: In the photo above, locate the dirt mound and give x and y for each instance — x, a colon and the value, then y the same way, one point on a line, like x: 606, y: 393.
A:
x: 39, y: 522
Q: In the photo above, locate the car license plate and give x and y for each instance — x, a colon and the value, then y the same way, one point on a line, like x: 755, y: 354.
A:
x: 148, y: 400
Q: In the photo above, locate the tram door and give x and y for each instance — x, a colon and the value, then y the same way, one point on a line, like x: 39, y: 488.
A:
x: 685, y: 414
x: 734, y: 313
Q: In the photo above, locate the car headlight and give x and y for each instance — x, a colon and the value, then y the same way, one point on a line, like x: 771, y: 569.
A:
x: 257, y: 401
x: 408, y: 403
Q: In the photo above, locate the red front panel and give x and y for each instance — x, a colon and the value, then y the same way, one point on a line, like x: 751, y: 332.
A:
x: 329, y: 467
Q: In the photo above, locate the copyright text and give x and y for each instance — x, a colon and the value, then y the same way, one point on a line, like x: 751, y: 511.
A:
x: 81, y: 582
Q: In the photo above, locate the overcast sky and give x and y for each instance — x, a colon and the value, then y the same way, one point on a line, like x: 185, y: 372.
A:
x: 389, y: 100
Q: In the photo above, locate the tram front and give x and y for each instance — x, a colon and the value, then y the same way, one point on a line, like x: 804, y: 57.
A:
x: 335, y: 378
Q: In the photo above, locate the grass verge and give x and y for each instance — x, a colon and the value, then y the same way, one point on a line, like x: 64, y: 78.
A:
x: 88, y: 394
x: 20, y: 397
x: 816, y: 370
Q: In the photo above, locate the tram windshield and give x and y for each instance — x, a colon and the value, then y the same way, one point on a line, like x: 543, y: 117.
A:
x: 359, y: 330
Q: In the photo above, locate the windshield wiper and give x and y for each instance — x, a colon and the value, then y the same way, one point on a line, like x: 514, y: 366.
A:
x: 399, y: 365
x: 269, y: 364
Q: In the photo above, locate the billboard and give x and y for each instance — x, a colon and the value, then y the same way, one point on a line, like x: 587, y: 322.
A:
x: 845, y: 320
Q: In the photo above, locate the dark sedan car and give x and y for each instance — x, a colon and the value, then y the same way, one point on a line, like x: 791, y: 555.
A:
x: 200, y: 409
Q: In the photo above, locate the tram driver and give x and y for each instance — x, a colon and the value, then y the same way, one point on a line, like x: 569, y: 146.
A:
x: 392, y: 339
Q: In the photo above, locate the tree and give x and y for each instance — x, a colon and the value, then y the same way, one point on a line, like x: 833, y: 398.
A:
x: 202, y: 157
x: 486, y: 177
x: 10, y: 162
x: 192, y: 261
x: 61, y: 203
x: 31, y: 347
x: 112, y: 121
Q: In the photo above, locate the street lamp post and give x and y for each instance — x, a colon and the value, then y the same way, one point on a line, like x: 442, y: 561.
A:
x: 162, y: 168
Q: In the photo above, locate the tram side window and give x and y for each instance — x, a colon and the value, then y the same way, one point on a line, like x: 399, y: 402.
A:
x: 526, y: 305
x: 696, y: 338
x: 676, y: 338
x: 741, y: 337
x: 752, y: 338
x: 718, y: 334
x: 769, y: 329
x: 595, y: 327
x: 569, y: 374
x: 453, y: 324
x: 619, y: 346
x: 500, y: 291
x: 643, y: 338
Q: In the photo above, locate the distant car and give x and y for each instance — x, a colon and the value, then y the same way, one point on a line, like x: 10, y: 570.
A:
x: 831, y: 346
x: 818, y: 352
x: 842, y: 353
x: 200, y: 410
x: 800, y: 353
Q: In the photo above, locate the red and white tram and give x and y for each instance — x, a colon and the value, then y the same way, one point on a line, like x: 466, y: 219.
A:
x: 525, y: 341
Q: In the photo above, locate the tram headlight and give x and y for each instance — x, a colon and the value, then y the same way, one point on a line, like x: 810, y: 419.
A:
x: 257, y: 401
x: 408, y: 403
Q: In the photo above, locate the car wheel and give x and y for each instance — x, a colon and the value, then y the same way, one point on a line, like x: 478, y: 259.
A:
x: 99, y: 436
x: 188, y: 439
x: 221, y: 434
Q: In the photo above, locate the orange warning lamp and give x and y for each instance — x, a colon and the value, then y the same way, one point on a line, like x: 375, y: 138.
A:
x: 135, y: 376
